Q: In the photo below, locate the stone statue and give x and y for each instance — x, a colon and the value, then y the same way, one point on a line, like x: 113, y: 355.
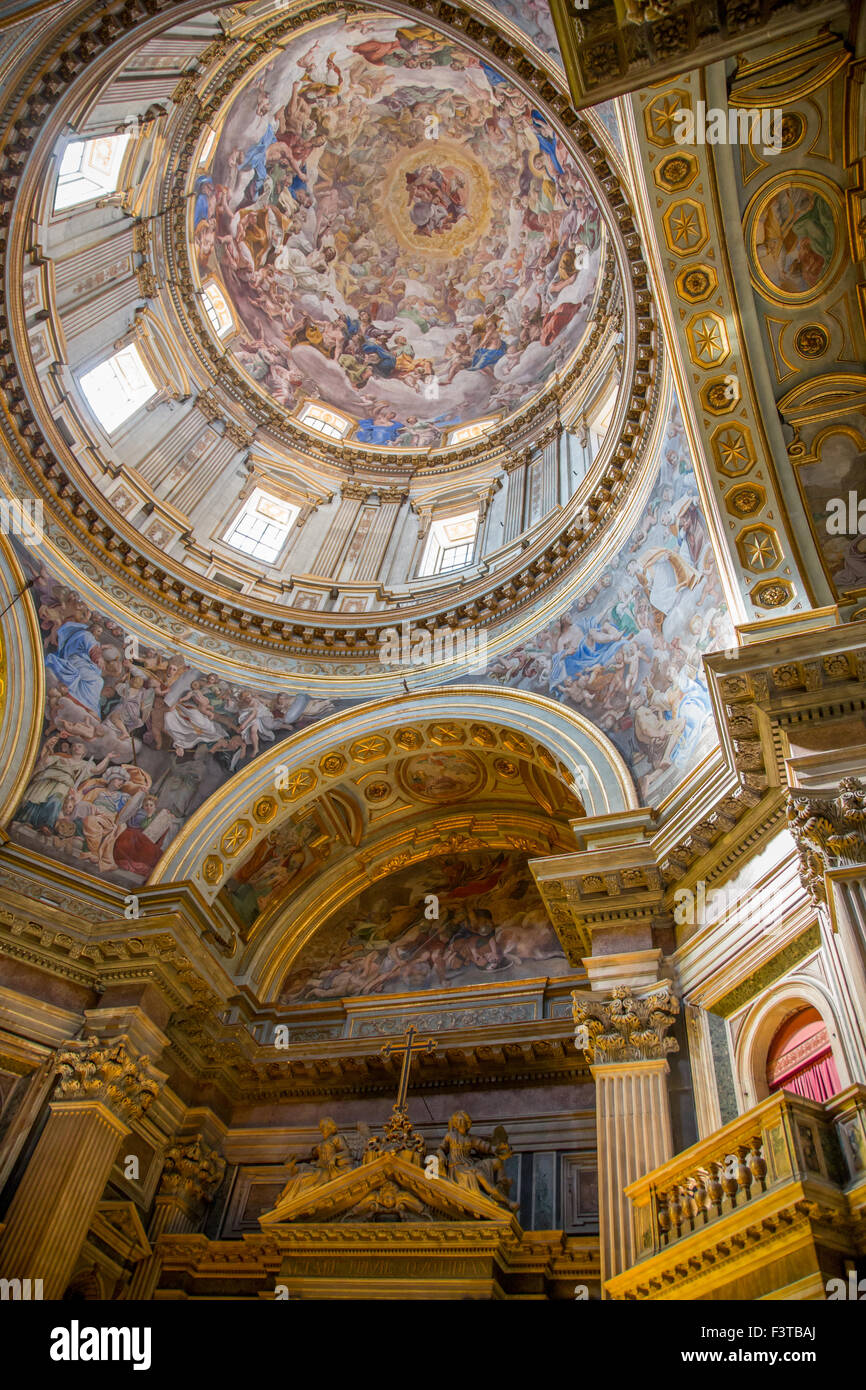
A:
x: 476, y: 1164
x: 327, y: 1161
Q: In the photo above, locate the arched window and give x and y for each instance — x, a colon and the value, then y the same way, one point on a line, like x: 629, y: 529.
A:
x: 800, y: 1057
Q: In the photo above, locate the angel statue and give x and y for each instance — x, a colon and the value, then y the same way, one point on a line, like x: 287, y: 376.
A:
x: 483, y: 1174
x: 327, y: 1161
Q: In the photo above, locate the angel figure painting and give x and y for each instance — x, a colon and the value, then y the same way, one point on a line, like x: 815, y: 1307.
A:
x: 401, y: 232
x: 492, y: 924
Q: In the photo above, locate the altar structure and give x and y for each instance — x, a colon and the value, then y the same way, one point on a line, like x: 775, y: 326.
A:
x: 400, y: 1224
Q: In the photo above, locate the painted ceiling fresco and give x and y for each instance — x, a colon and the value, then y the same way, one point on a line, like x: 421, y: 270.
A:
x: 400, y: 232
x: 329, y: 829
x: 627, y: 653
x: 536, y: 21
x: 134, y: 743
x: 492, y: 925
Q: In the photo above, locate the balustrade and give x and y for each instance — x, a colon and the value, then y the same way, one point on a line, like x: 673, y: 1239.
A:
x: 782, y: 1139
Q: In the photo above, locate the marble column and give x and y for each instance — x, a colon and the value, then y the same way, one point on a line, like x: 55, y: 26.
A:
x: 622, y: 1034
x: 190, y: 1177
x: 829, y: 833
x: 102, y: 1090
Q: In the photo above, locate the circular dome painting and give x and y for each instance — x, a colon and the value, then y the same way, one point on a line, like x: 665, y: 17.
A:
x: 399, y: 231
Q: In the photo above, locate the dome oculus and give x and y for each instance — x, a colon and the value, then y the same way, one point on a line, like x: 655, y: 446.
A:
x: 399, y: 231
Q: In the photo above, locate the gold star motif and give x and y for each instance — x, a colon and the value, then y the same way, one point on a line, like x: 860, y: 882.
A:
x: 762, y: 552
x: 685, y: 227
x: 664, y: 114
x: 299, y: 782
x: 708, y: 340
x: 732, y: 448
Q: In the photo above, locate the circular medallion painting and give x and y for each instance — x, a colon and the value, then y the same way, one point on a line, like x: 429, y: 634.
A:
x: 793, y: 235
x: 400, y: 233
x: 441, y: 776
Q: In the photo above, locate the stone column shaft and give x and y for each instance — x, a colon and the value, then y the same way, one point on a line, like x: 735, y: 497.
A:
x: 101, y: 1086
x: 56, y: 1200
x: 634, y: 1136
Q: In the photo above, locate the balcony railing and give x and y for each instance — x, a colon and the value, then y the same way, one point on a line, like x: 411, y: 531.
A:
x: 782, y: 1139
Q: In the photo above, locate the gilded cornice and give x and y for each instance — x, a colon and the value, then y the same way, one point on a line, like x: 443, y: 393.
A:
x: 610, y: 48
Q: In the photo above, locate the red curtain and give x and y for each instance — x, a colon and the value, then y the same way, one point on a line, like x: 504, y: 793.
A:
x: 817, y: 1081
x: 800, y: 1058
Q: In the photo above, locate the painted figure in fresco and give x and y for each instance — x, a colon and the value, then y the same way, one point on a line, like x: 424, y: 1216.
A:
x: 78, y: 662
x: 328, y: 1159
x: 796, y: 239
x: 132, y: 746
x: 328, y: 267
x: 60, y: 767
x: 491, y: 922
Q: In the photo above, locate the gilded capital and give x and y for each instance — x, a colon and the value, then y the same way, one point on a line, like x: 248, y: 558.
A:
x: 828, y: 833
x: 192, y: 1170
x: 625, y: 1027
x: 104, y: 1070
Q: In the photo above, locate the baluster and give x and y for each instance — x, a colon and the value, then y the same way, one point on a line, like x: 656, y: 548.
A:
x: 757, y: 1162
x: 744, y: 1173
x: 690, y: 1206
x: 675, y: 1207
x: 701, y: 1194
x: 729, y: 1183
x: 714, y: 1186
x: 663, y: 1216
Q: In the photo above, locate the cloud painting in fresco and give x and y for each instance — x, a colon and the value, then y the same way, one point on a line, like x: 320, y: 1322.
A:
x: 627, y: 653
x: 400, y: 232
x: 492, y: 925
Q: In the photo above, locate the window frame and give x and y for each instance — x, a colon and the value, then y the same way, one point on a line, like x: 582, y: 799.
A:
x: 97, y: 188
x: 111, y: 429
x: 431, y: 565
x: 248, y: 509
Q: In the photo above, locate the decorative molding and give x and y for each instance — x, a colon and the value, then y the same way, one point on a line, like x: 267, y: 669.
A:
x: 828, y: 834
x: 626, y: 1027
x: 104, y: 1070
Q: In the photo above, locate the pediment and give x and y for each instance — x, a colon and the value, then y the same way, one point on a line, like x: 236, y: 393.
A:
x: 388, y: 1189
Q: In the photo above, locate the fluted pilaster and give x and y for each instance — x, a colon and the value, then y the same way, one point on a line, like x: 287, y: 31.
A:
x: 623, y: 1036
x: 191, y: 1176
x: 102, y: 1089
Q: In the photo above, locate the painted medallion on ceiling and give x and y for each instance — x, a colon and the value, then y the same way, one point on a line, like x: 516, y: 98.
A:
x: 399, y: 232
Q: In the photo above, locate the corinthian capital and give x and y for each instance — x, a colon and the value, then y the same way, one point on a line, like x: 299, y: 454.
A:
x: 192, y: 1170
x: 828, y: 833
x: 103, y: 1069
x: 625, y: 1027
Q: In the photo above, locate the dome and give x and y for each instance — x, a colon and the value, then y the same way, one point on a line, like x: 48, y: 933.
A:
x: 352, y: 326
x: 397, y: 231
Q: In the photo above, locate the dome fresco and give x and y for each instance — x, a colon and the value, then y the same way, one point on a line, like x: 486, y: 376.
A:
x: 399, y: 230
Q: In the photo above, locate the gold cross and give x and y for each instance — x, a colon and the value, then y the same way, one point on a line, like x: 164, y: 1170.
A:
x: 408, y: 1047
